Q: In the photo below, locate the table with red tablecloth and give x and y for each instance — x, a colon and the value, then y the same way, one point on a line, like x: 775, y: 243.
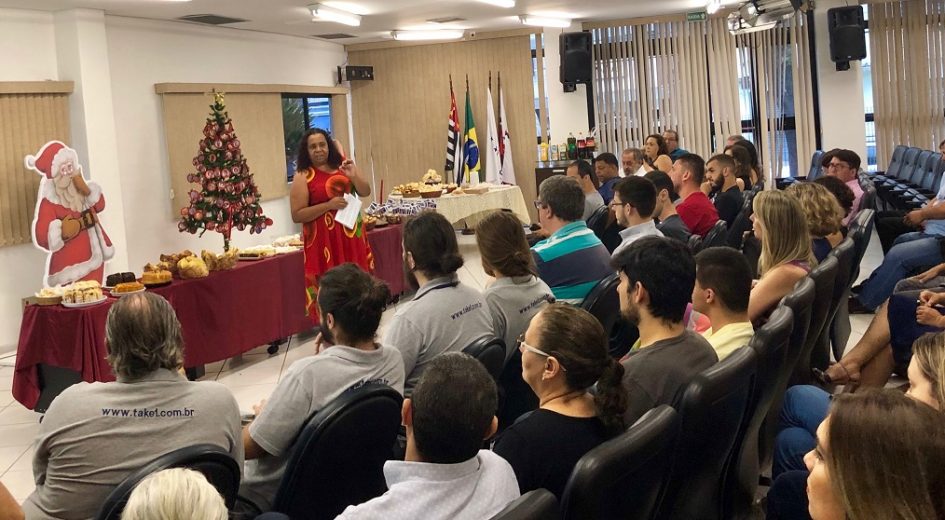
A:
x: 221, y: 316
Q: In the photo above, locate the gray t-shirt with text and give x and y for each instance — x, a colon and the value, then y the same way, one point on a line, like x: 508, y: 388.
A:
x: 513, y: 302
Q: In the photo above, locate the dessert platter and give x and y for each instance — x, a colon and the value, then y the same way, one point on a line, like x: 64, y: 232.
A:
x: 126, y: 288
x: 156, y: 276
x: 116, y: 278
x: 83, y: 293
x: 257, y: 253
x: 49, y: 296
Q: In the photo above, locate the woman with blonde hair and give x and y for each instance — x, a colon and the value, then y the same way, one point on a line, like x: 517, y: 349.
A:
x: 175, y: 494
x: 879, y: 455
x: 824, y: 216
x: 786, y: 257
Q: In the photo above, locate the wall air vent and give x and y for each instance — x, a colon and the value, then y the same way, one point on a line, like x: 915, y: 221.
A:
x: 334, y: 36
x: 448, y: 19
x: 211, y: 19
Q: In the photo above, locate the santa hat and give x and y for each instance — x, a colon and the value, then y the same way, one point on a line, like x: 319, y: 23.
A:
x: 49, y: 158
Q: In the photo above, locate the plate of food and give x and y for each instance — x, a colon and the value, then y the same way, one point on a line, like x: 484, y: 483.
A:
x: 77, y: 305
x: 126, y: 288
x: 48, y: 296
x: 83, y: 293
x: 155, y: 277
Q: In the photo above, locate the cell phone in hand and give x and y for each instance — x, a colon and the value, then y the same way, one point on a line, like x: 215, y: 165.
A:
x: 247, y: 418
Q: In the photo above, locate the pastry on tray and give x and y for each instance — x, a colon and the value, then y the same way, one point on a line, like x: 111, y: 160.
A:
x: 192, y: 267
x: 128, y: 287
x: 114, y: 279
x: 156, y: 276
x: 85, y: 291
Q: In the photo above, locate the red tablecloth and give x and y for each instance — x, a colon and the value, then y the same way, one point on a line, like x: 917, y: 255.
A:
x: 222, y: 315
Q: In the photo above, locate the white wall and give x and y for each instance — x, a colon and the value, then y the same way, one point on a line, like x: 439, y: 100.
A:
x: 567, y: 111
x: 115, y: 63
x: 842, y: 114
x: 143, y: 53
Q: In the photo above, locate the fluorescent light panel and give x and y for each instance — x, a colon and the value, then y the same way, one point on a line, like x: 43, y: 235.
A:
x: 713, y: 6
x: 427, y: 35
x: 500, y: 3
x: 327, y: 14
x: 545, y: 21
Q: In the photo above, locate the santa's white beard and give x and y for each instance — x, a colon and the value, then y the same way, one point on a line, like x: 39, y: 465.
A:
x: 69, y: 196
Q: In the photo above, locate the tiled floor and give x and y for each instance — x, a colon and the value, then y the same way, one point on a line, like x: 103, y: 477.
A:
x: 251, y: 377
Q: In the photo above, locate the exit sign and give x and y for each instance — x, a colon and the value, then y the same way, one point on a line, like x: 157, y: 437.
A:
x: 696, y: 17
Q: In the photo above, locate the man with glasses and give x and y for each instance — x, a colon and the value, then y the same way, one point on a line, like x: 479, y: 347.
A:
x: 572, y: 259
x: 845, y: 165
x: 633, y: 205
x: 657, y: 276
x: 672, y: 144
x: 917, y: 247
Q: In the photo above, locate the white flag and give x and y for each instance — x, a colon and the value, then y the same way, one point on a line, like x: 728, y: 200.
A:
x: 493, y: 163
x: 507, y: 172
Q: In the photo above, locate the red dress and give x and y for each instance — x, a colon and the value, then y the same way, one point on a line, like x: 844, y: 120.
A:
x: 328, y: 244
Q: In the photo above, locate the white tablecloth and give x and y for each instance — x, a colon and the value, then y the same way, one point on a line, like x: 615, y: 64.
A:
x: 470, y: 207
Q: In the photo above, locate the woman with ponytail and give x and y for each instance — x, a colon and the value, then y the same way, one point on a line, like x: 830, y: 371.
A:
x: 517, y: 294
x: 564, y: 354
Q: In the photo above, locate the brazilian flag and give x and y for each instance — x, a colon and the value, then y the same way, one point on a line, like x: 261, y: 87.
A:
x: 470, y: 147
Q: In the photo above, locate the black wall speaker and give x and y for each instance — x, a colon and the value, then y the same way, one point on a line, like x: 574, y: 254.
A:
x: 847, y: 31
x: 575, y: 51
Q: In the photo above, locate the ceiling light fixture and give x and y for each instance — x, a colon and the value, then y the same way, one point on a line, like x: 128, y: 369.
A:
x: 713, y: 6
x: 545, y: 21
x: 347, y: 6
x: 500, y: 3
x: 426, y: 35
x: 320, y: 13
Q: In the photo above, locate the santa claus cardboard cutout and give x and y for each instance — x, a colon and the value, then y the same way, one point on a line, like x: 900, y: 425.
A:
x: 66, y: 221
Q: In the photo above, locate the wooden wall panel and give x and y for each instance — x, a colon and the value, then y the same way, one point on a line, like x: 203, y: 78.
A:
x: 27, y: 121
x: 400, y: 118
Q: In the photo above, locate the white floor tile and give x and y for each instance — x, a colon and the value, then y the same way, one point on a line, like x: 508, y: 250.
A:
x: 9, y: 455
x: 18, y: 434
x: 19, y: 483
x: 17, y: 414
x: 25, y: 462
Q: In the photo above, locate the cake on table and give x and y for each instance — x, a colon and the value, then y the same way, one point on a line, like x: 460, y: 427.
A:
x: 85, y: 291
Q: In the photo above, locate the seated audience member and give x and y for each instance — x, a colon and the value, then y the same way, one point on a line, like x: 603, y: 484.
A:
x: 350, y: 305
x: 757, y: 175
x: 696, y: 210
x: 845, y: 165
x: 672, y: 144
x: 786, y: 256
x: 743, y: 171
x: 175, y: 494
x: 564, y: 353
x: 665, y: 210
x: 720, y: 182
x: 608, y: 172
x: 840, y: 191
x: 657, y: 276
x: 656, y: 154
x: 806, y: 406
x: 517, y: 293
x: 445, y: 475
x: 633, y: 205
x: 823, y: 214
x: 891, y: 224
x: 723, y: 284
x: 96, y: 434
x: 9, y: 508
x: 572, y: 260
x: 444, y: 315
x: 583, y: 172
x: 632, y: 162
x: 874, y: 458
x: 732, y: 139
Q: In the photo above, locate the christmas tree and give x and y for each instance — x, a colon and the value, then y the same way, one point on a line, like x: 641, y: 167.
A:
x: 228, y: 197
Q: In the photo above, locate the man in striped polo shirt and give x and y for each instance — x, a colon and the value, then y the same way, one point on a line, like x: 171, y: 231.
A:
x: 572, y: 259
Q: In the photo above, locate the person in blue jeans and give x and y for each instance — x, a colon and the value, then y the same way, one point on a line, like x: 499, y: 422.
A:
x: 803, y: 410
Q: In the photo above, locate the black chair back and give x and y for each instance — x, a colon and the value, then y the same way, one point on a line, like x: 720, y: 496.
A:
x: 742, y: 222
x: 923, y: 166
x: 772, y: 345
x: 695, y: 243
x: 861, y: 231
x: 845, y: 253
x: 625, y: 476
x: 598, y: 221
x: 212, y: 461
x: 604, y: 303
x: 538, y: 504
x: 338, y: 458
x: 490, y: 351
x: 515, y: 396
x: 716, y: 236
x: 910, y: 161
x: 824, y: 277
x: 712, y: 408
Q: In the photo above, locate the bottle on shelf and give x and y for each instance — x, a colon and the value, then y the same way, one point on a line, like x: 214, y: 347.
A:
x: 591, y: 145
x: 554, y: 153
x: 582, y: 146
x: 544, y: 152
x: 572, y: 147
x: 563, y: 151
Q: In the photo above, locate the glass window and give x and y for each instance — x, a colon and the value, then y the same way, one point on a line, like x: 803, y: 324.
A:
x: 299, y: 113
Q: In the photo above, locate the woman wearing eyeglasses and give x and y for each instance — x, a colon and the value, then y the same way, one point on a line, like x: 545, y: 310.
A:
x: 564, y: 353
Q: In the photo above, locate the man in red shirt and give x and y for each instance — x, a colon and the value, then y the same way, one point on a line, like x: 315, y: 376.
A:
x: 696, y: 210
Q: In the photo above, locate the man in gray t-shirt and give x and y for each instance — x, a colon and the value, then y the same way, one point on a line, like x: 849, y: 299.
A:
x: 444, y: 315
x: 350, y: 305
x: 94, y: 435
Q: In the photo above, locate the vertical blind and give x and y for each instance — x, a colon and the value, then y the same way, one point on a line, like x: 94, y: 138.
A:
x: 29, y: 121
x: 684, y: 76
x: 906, y: 50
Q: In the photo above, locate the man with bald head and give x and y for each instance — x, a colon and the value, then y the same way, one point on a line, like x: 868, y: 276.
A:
x: 631, y: 161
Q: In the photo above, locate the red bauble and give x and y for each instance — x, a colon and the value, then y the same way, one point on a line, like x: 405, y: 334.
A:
x: 228, y: 156
x: 210, y: 225
x: 236, y: 170
x: 241, y: 226
x: 198, y: 215
x: 268, y: 221
x: 218, y: 144
x: 201, y: 158
x: 182, y: 226
x: 183, y: 212
x: 236, y: 143
x: 250, y: 199
x: 258, y: 210
x: 211, y: 186
x: 213, y: 158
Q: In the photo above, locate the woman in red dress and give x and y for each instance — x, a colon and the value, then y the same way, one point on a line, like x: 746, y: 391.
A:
x: 323, y: 175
